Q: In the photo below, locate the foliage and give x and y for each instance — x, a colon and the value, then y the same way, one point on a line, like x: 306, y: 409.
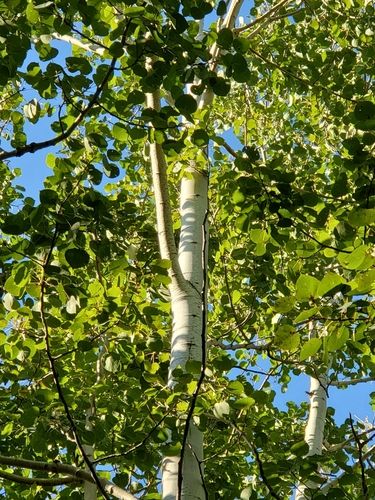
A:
x: 292, y: 218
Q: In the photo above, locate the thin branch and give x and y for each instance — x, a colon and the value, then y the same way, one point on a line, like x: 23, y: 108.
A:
x: 343, y: 444
x: 230, y: 150
x: 244, y: 345
x: 353, y: 381
x: 308, y: 84
x: 263, y: 18
x: 167, y: 244
x: 135, y: 447
x: 259, y: 462
x: 94, y: 47
x: 271, y: 20
x: 36, y: 146
x: 323, y: 245
x: 201, y: 472
x: 40, y: 481
x: 360, y: 459
x: 58, y: 467
x: 365, y: 456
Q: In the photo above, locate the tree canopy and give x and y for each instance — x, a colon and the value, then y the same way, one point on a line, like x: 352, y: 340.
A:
x: 277, y: 109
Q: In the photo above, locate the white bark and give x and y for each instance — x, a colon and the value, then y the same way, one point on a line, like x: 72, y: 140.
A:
x: 314, y: 431
x: 187, y: 328
x: 187, y: 274
x: 89, y: 489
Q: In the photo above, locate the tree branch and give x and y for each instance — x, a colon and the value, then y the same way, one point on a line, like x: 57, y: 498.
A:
x: 36, y: 146
x: 343, y: 444
x: 58, y: 467
x: 357, y: 464
x: 167, y: 244
x: 361, y: 463
x: 40, y: 481
x: 93, y: 47
x: 258, y: 461
x: 353, y: 381
x: 263, y: 18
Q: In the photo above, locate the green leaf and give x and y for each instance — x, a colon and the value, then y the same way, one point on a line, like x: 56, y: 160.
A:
x: 221, y: 409
x: 221, y: 8
x: 236, y: 387
x: 225, y: 38
x: 219, y: 85
x: 120, y: 132
x: 337, y: 339
x: 186, y: 104
x: 136, y: 11
x: 78, y: 64
x: 364, y: 282
x: 299, y: 449
x: 355, y: 258
x: 8, y: 301
x: 32, y: 14
x: 77, y: 257
x: 200, y: 138
x: 329, y: 282
x: 310, y: 348
x: 15, y: 224
x: 364, y: 110
x: 284, y: 304
x: 48, y: 197
x: 259, y: 235
x: 32, y: 110
x: 236, y: 296
x: 306, y: 287
x: 304, y: 315
x: 361, y: 217
x: 243, y: 403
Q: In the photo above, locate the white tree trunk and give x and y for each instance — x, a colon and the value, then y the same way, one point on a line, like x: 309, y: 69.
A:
x: 187, y: 274
x: 187, y: 330
x: 186, y: 286
x: 314, y: 431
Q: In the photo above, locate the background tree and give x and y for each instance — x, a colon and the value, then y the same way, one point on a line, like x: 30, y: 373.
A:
x: 262, y: 133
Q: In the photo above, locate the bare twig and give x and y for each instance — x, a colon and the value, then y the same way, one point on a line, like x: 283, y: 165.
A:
x: 353, y: 381
x: 56, y: 378
x: 262, y: 18
x: 58, y: 467
x: 133, y: 448
x: 360, y: 459
x: 258, y: 461
x: 365, y: 456
x: 40, y: 481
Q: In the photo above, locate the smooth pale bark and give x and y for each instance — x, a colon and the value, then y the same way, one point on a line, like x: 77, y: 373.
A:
x: 187, y: 328
x: 89, y: 489
x: 187, y: 274
x: 314, y: 431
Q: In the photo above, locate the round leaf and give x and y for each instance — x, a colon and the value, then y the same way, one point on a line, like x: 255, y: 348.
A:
x: 77, y: 257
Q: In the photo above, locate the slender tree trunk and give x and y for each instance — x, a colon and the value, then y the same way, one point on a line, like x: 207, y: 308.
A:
x: 187, y: 329
x: 314, y: 430
x: 187, y: 288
